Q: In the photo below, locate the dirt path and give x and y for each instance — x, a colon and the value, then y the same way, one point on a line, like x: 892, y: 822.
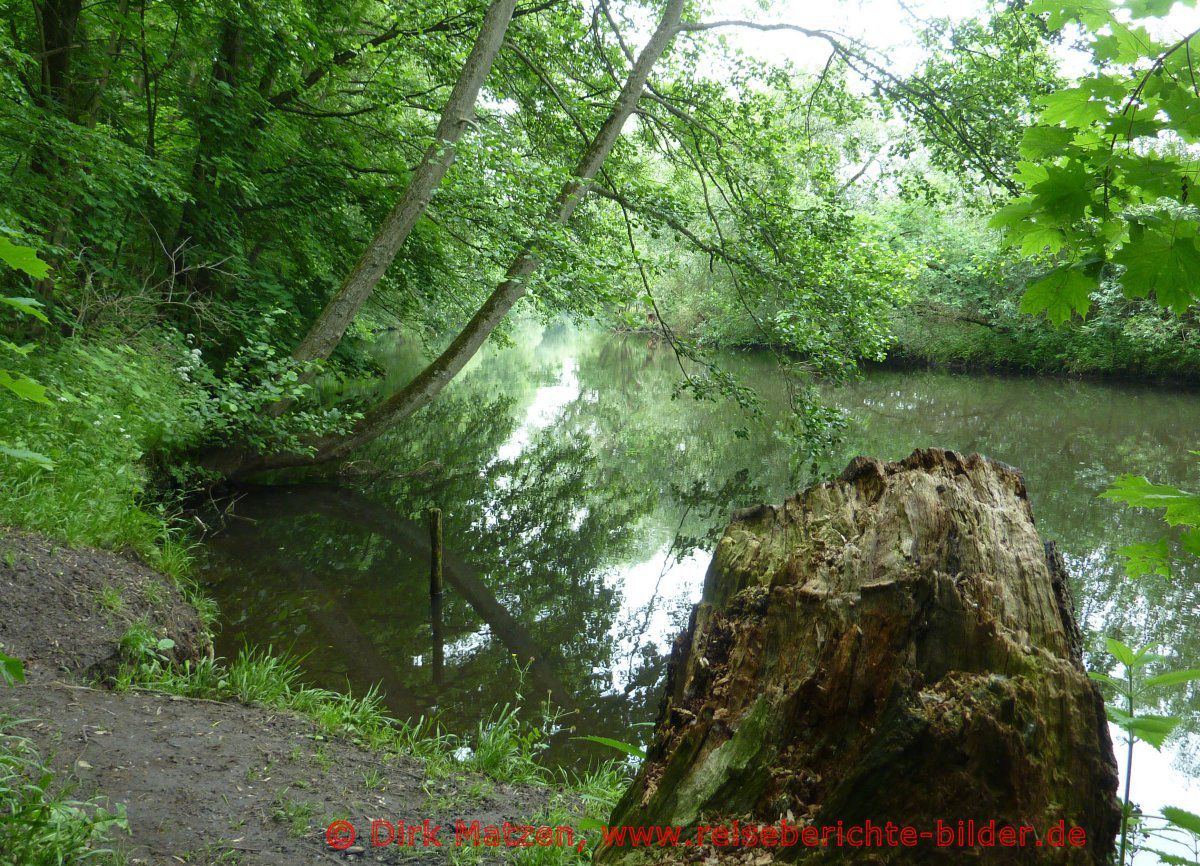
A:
x: 203, y: 782
x: 207, y: 782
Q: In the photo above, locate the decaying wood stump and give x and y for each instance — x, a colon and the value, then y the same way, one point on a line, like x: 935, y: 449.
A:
x: 895, y: 645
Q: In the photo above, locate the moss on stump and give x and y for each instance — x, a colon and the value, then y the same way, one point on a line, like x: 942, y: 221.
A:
x: 895, y: 645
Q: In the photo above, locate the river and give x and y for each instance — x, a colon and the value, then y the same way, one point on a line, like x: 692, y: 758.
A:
x: 581, y: 496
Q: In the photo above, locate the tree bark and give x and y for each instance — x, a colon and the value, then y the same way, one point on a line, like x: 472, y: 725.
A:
x: 213, y: 139
x: 58, y: 25
x: 895, y: 645
x: 236, y: 463
x: 58, y: 21
x: 458, y: 114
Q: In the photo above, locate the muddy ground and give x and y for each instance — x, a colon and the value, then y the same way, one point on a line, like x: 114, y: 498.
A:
x: 65, y: 609
x: 203, y: 782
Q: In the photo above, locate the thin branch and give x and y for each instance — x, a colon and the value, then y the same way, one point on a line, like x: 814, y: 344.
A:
x: 856, y: 56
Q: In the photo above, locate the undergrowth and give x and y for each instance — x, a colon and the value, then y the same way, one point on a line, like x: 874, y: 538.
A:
x: 110, y: 411
x: 40, y: 823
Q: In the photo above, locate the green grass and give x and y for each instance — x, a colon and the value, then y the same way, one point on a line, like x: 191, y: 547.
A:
x: 503, y: 748
x: 296, y: 814
x: 40, y: 824
x: 111, y: 599
x: 153, y: 593
x: 109, y: 411
x: 577, y: 797
x: 321, y: 758
x: 140, y: 642
x: 374, y: 780
x: 261, y: 677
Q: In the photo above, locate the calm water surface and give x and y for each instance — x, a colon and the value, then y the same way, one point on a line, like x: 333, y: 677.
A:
x: 580, y: 503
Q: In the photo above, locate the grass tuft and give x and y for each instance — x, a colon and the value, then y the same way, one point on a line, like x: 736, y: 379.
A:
x: 503, y: 748
x: 40, y: 824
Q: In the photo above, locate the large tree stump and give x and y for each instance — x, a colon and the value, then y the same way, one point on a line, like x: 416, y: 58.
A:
x: 895, y: 645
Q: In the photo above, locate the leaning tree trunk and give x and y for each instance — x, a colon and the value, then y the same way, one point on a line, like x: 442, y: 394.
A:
x: 896, y: 645
x: 238, y: 463
x: 458, y: 114
x: 430, y: 381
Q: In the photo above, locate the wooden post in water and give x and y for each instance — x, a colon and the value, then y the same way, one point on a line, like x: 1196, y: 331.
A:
x: 435, y: 593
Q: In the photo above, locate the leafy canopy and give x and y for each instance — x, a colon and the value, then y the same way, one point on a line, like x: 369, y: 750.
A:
x: 1110, y: 165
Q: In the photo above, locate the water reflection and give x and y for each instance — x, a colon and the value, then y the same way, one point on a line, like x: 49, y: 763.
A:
x: 580, y: 499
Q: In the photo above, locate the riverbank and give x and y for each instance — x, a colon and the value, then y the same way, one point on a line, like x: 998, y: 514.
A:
x: 900, y: 361
x: 1144, y: 346
x: 118, y: 705
x: 1141, y: 345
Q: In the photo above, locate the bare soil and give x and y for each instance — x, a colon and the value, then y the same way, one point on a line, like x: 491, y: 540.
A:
x: 203, y: 782
x: 65, y: 609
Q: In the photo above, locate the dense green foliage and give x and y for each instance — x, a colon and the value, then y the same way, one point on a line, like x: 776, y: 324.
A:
x: 1108, y: 183
x: 965, y: 310
x: 108, y: 409
x: 189, y: 184
x: 206, y: 175
x: 202, y: 178
x: 1106, y: 199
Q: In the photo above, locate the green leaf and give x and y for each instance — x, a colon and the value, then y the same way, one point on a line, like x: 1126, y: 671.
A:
x: 1182, y: 108
x: 11, y: 670
x: 1134, y: 490
x: 1190, y: 542
x: 1117, y: 716
x: 615, y: 744
x: 1120, y: 686
x: 31, y: 456
x: 1152, y: 557
x: 26, y: 389
x: 1182, y: 819
x: 28, y: 306
x: 1093, y: 13
x: 1123, y: 44
x: 1059, y: 294
x: 1011, y: 214
x: 1065, y: 193
x: 1030, y: 173
x: 1166, y: 264
x: 1152, y: 729
x: 1173, y: 678
x: 1153, y: 8
x: 1154, y: 175
x: 1035, y: 238
x: 23, y: 259
x: 1122, y: 653
x: 23, y: 351
x: 1171, y: 859
x: 1074, y: 106
x: 1040, y: 141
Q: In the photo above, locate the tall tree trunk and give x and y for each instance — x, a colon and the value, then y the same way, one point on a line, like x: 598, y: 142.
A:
x: 215, y: 137
x: 58, y: 26
x: 58, y: 21
x: 896, y: 645
x: 458, y: 114
x: 234, y: 462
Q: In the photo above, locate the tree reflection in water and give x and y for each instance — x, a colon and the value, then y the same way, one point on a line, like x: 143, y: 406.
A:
x: 581, y: 499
